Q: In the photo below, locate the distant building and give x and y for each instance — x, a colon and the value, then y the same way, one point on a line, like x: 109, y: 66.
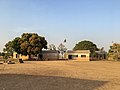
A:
x: 81, y: 55
x: 19, y: 56
x: 44, y: 55
x: 101, y: 55
x: 49, y: 55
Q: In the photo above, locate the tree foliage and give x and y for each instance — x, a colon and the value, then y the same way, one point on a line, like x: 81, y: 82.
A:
x: 52, y: 47
x: 114, y: 51
x: 8, y: 48
x: 86, y: 45
x: 28, y: 44
x: 62, y: 49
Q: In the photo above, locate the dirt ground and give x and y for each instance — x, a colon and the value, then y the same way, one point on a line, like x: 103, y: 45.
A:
x: 60, y: 75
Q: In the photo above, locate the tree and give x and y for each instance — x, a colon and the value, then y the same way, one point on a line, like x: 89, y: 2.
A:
x: 62, y: 49
x: 86, y: 45
x: 114, y: 51
x: 16, y: 45
x: 52, y: 47
x: 4, y: 55
x: 8, y: 48
x: 29, y: 44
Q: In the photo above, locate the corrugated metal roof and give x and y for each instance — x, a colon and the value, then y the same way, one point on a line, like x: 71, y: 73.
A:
x: 50, y: 51
x: 69, y: 51
x: 78, y: 51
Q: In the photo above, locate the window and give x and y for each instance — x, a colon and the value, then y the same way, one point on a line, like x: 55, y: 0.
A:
x: 72, y: 56
x: 17, y: 55
x: 83, y: 56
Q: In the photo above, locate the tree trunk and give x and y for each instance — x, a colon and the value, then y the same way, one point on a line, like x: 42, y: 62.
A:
x: 29, y: 56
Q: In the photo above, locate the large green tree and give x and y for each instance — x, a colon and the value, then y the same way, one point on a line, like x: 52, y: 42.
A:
x: 8, y: 49
x: 114, y: 52
x: 29, y: 44
x: 86, y: 45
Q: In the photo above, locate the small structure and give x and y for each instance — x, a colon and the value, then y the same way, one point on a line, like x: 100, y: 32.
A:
x: 19, y: 56
x: 81, y: 55
x: 49, y: 55
x: 101, y: 55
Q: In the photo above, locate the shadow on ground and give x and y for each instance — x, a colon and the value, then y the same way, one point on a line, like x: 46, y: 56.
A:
x: 31, y: 82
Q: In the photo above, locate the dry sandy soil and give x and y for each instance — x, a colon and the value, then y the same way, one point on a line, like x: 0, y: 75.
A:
x: 60, y: 75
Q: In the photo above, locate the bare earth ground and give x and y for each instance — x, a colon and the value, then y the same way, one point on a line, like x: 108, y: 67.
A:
x: 60, y: 75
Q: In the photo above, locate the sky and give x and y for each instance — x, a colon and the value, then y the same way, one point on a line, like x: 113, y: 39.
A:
x: 56, y: 20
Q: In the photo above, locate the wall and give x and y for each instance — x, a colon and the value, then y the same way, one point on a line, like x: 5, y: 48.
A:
x: 19, y: 56
x: 50, y: 56
x: 87, y: 58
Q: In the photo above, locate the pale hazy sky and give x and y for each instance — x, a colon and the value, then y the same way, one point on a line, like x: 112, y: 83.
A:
x: 74, y: 20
